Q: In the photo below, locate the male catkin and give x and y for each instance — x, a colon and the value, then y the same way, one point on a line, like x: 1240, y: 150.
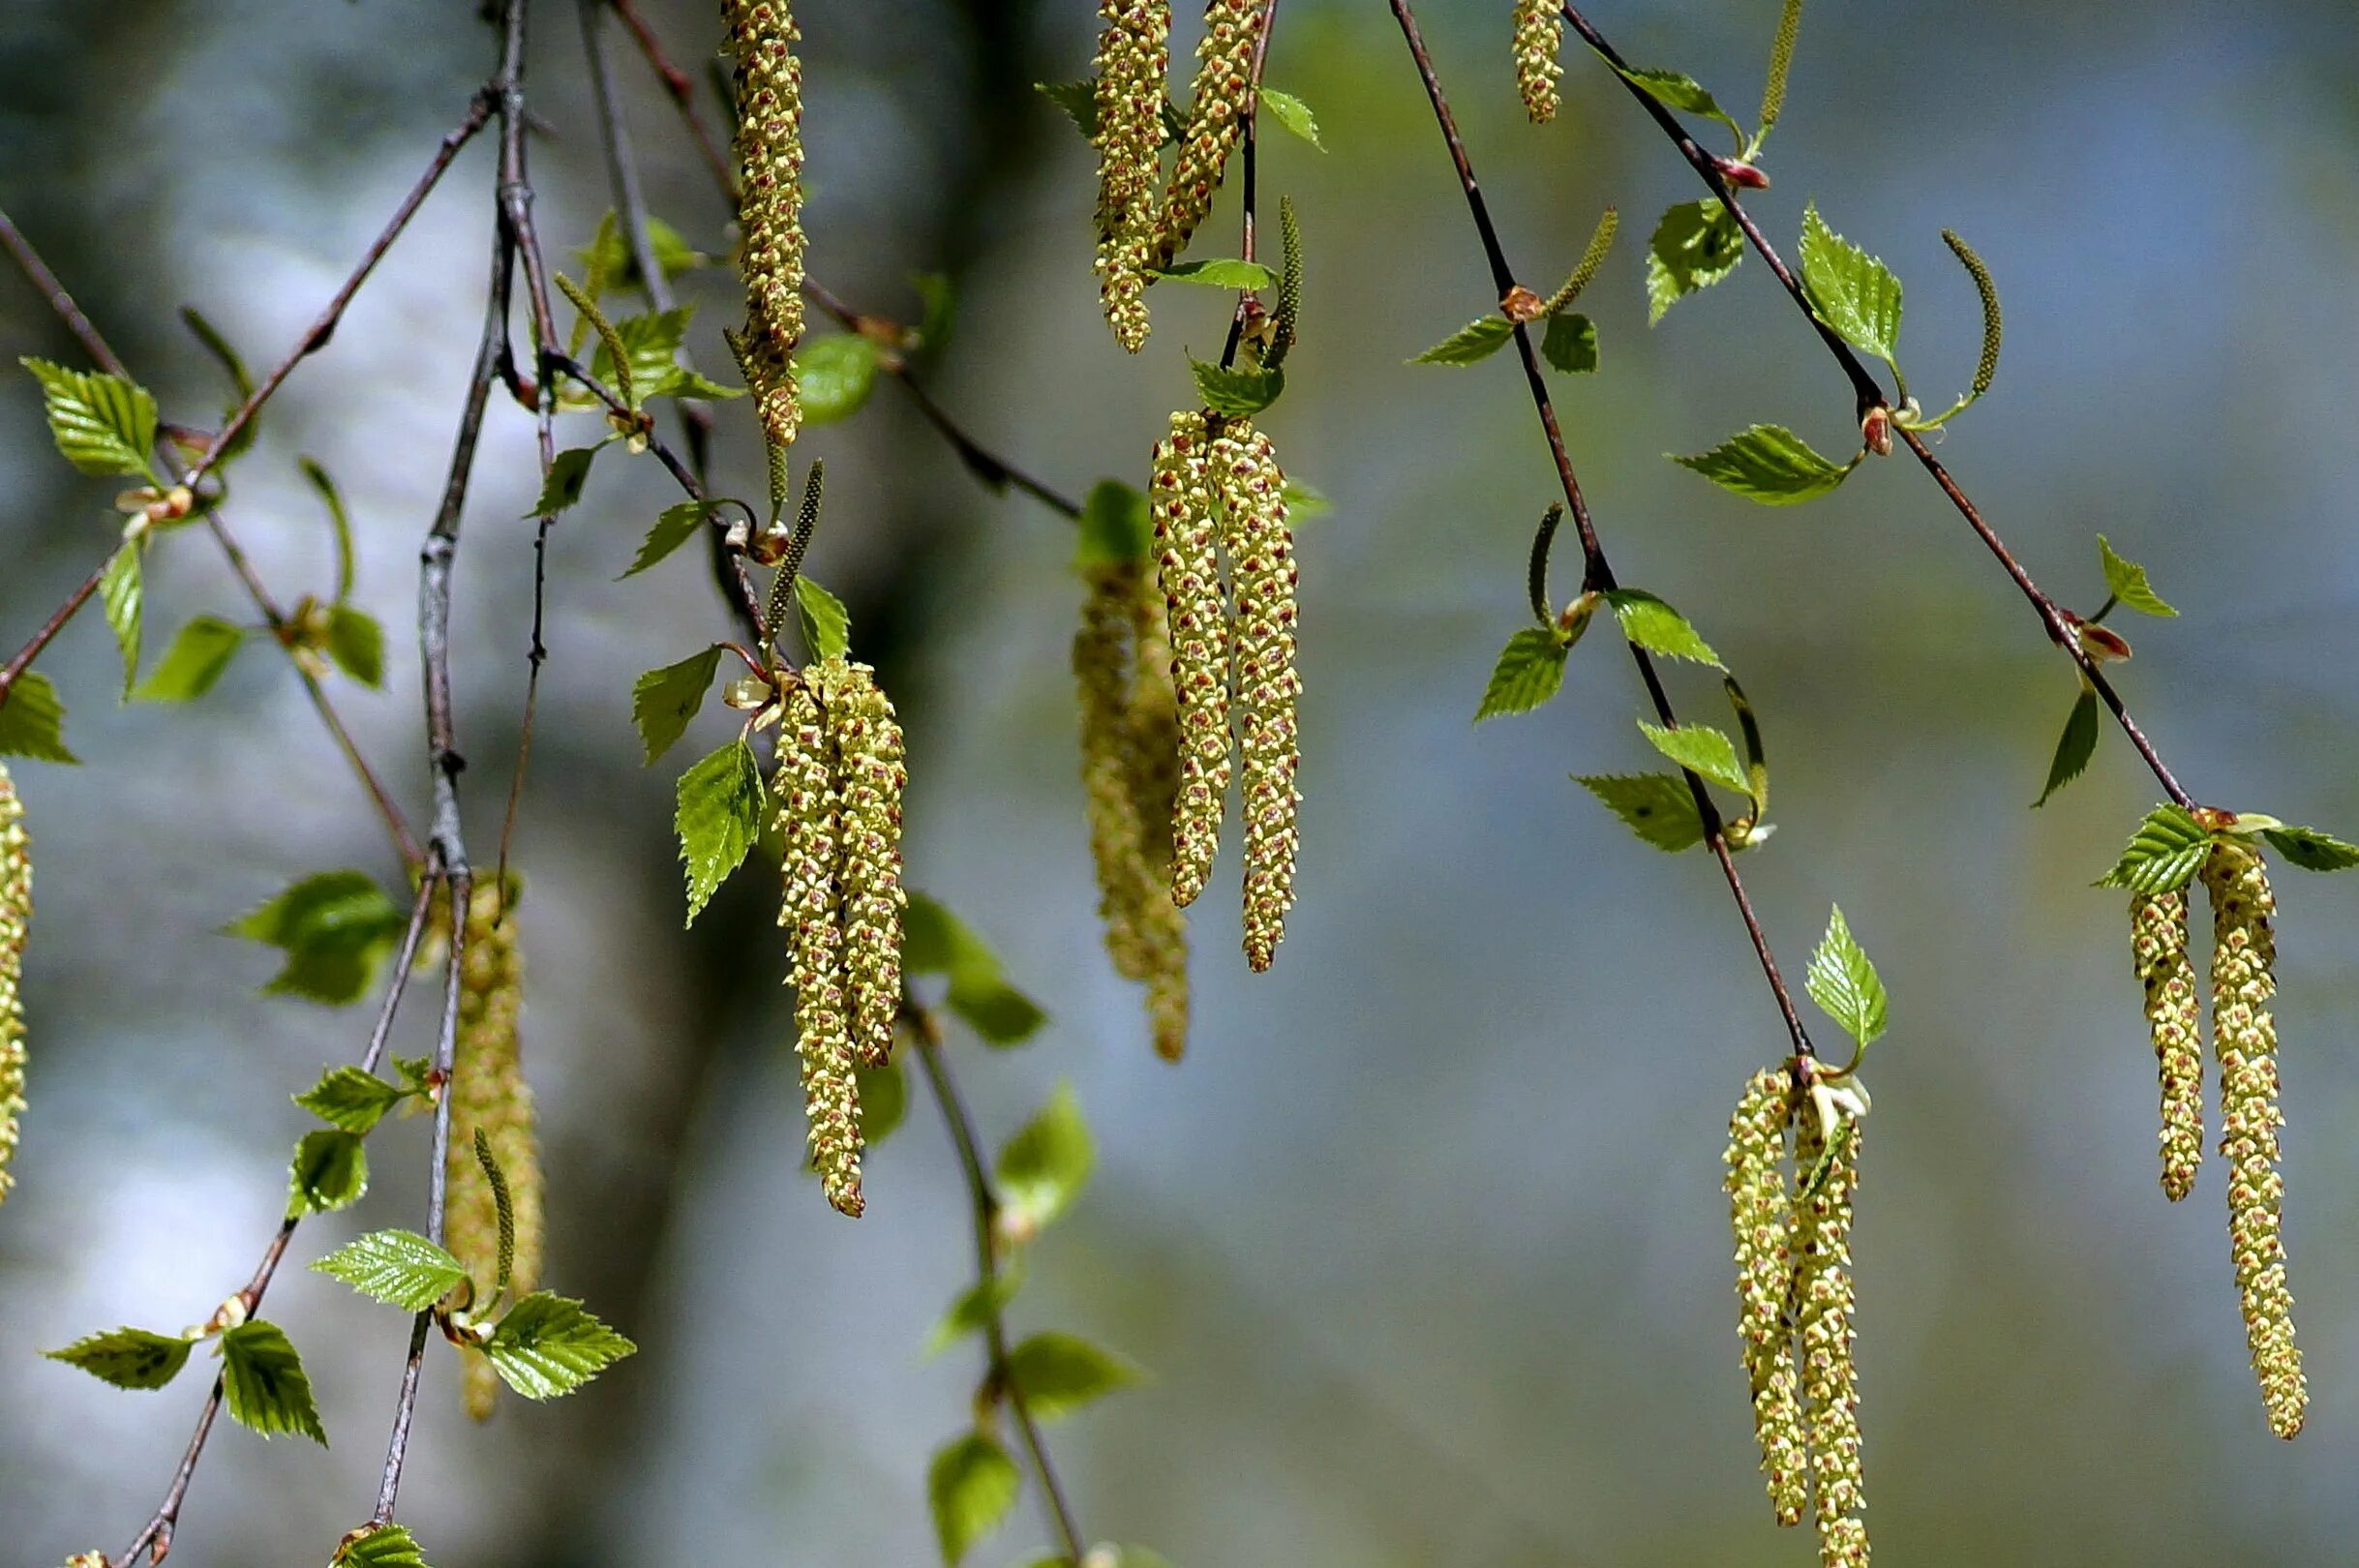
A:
x: 809, y: 819
x: 15, y: 918
x: 1187, y: 531
x: 864, y: 753
x: 1261, y: 574
x: 1823, y: 1313
x: 1761, y: 1216
x: 1539, y: 34
x: 2158, y: 944
x: 762, y: 36
x: 2244, y: 1034
x: 1216, y: 115
x: 1134, y: 59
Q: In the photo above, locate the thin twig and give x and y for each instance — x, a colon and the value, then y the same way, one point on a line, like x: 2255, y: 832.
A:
x: 682, y: 88
x: 1249, y: 191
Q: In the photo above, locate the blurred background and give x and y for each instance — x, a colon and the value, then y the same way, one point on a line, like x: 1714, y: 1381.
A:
x: 1424, y: 1246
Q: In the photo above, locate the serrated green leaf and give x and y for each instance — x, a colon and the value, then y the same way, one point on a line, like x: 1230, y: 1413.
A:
x: 651, y: 344
x: 884, y: 1101
x: 663, y: 701
x: 103, y: 424
x: 1115, y: 526
x: 329, y: 1171
x: 399, y: 1268
x: 1294, y: 114
x: 674, y: 526
x: 2311, y: 849
x: 1077, y: 98
x: 1236, y: 393
x: 970, y: 1485
x: 827, y: 625
x: 1853, y: 292
x: 1659, y: 628
x: 1570, y: 343
x: 562, y: 487
x: 936, y: 942
x: 379, y: 1545
x: 1769, y: 464
x: 1045, y: 1165
x: 1695, y: 245
x: 718, y: 817
x: 33, y: 721
x: 2164, y: 855
x: 2075, y: 748
x: 127, y: 1357
x: 1844, y: 983
x: 350, y: 1098
x: 609, y: 256
x: 974, y: 1309
x: 833, y: 374
x: 1530, y: 671
x: 197, y: 658
x: 357, y: 644
x: 1220, y: 272
x: 264, y: 1385
x: 2126, y: 581
x: 123, y: 593
x: 1676, y: 89
x: 1478, y: 340
x: 1058, y: 1373
x: 1658, y: 807
x: 1702, y: 751
x: 336, y: 927
x: 549, y: 1345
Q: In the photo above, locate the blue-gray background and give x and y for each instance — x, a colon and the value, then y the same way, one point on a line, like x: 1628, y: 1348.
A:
x: 1424, y: 1244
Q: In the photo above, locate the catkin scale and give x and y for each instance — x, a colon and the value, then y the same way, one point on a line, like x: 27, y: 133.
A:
x: 2157, y: 938
x: 1134, y: 59
x: 768, y: 86
x: 810, y: 813
x: 1266, y: 685
x: 16, y: 919
x: 1539, y: 35
x: 1187, y: 531
x: 1760, y: 1216
x: 864, y: 752
x: 1823, y: 1307
x: 1216, y: 115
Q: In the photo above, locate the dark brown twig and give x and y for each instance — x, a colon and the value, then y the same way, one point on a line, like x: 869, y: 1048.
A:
x: 1249, y: 157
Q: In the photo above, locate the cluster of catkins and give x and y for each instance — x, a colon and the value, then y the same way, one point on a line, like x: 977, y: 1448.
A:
x: 838, y: 790
x: 1139, y: 232
x: 1794, y: 1297
x: 1539, y: 34
x: 769, y: 87
x: 16, y: 915
x: 2244, y: 1038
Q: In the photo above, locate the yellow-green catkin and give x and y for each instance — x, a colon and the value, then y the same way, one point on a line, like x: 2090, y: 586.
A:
x: 1261, y: 550
x: 1186, y: 534
x: 810, y: 815
x: 1134, y: 59
x: 1761, y: 1216
x: 2157, y: 946
x: 1823, y: 1321
x: 1216, y: 116
x: 1539, y: 35
x: 488, y: 1092
x: 2244, y: 1034
x: 762, y: 36
x: 870, y: 774
x: 16, y: 919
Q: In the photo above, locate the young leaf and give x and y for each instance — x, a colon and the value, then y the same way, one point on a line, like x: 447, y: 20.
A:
x: 940, y: 303
x: 976, y: 1305
x: 350, y: 1098
x: 127, y: 1357
x: 198, y: 656
x: 357, y: 644
x: 2126, y: 581
x: 2164, y: 855
x: 397, y: 1267
x: 32, y: 721
x: 549, y: 1345
x: 650, y: 347
x: 1702, y: 751
x: 1303, y: 500
x: 936, y: 942
x: 1077, y: 98
x: 1219, y: 273
x: 2075, y: 748
x: 609, y: 256
x: 835, y: 374
x: 1853, y: 292
x: 1769, y: 464
x: 330, y: 1171
x: 122, y: 591
x: 719, y: 815
x: 1696, y: 245
x: 1656, y: 627
x: 674, y: 526
x: 265, y: 1384
x: 378, y: 1545
x: 336, y: 927
x: 224, y: 354
x: 1115, y: 526
x: 884, y: 1101
x: 103, y: 424
x: 1529, y: 670
x: 340, y: 520
x: 562, y: 487
x: 970, y: 1485
x: 1236, y: 393
x: 663, y: 701
x: 1292, y: 113
x: 1058, y: 1373
x: 1046, y: 1165
x: 2311, y: 849
x: 1478, y: 340
x: 1673, y: 89
x: 1571, y: 344
x: 1845, y: 984
x: 827, y: 625
x: 1658, y: 807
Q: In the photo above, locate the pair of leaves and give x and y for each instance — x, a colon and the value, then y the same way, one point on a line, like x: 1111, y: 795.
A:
x: 263, y: 1383
x: 335, y: 928
x: 936, y: 942
x: 1530, y: 668
x: 2170, y: 846
x: 102, y: 424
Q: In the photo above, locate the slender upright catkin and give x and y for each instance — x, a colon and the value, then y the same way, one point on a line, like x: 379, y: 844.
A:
x: 1261, y: 575
x: 1187, y: 532
x: 1761, y: 1215
x: 1216, y: 115
x: 864, y: 754
x: 809, y: 819
x: 2157, y: 946
x: 2244, y: 1034
x: 488, y: 1092
x: 1539, y: 34
x: 1134, y: 59
x: 1823, y: 1313
x: 762, y: 36
x: 16, y: 917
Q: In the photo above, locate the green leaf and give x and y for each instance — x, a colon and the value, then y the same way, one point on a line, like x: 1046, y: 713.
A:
x: 1304, y: 502
x: 103, y: 424
x: 970, y: 1485
x: 1058, y: 1373
x: 350, y: 1098
x: 1702, y: 751
x: 123, y: 592
x: 1236, y: 393
x: 1674, y: 89
x: 1077, y: 98
x: 2311, y: 849
x: 719, y: 816
x: 550, y: 1345
x: 827, y: 625
x: 940, y: 302
x: 936, y: 942
x: 1292, y: 113
x: 336, y: 927
x: 1656, y: 627
x: 197, y: 657
x: 232, y: 364
x: 976, y: 1305
x: 663, y: 701
x: 265, y: 1384
x: 1658, y: 807
x: 33, y: 721
x: 2126, y: 581
x: 884, y: 1101
x: 562, y: 487
x: 1529, y: 670
x: 1219, y: 273
x: 1853, y: 292
x: 378, y: 1545
x: 651, y: 344
x: 2164, y: 855
x: 357, y: 644
x: 339, y: 518
x: 1115, y: 526
x: 1571, y: 344
x: 1696, y: 245
x: 1769, y: 464
x: 610, y: 257
x: 1844, y: 983
x: 835, y: 375
x: 2075, y: 748
x: 1478, y: 340
x: 330, y: 1171
x: 399, y: 1268
x: 1046, y: 1165
x: 127, y: 1357
x: 674, y: 526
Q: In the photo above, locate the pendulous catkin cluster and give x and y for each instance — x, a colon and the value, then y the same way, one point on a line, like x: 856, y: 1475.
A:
x: 1761, y: 1214
x: 839, y: 782
x: 1217, y: 105
x: 768, y: 86
x: 2158, y: 940
x: 2244, y: 1035
x: 15, y: 918
x: 1134, y: 59
x: 1539, y: 35
x: 1130, y: 775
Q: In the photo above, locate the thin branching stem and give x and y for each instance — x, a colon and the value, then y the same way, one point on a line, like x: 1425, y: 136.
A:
x: 1249, y: 178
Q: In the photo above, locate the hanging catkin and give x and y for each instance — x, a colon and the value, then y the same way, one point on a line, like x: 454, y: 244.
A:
x: 769, y: 82
x: 809, y: 819
x: 2244, y: 1034
x: 488, y: 1092
x: 1261, y: 552
x: 2158, y: 940
x: 1823, y: 1313
x: 864, y: 752
x: 1216, y: 115
x: 1134, y: 59
x: 1539, y: 35
x: 1761, y: 1215
x: 16, y: 917
x: 1186, y: 532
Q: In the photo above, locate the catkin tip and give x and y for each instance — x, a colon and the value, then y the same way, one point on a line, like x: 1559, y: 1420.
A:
x: 1539, y: 36
x: 1261, y: 572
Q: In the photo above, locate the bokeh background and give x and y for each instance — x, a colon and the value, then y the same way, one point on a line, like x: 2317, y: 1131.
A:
x: 1424, y: 1246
